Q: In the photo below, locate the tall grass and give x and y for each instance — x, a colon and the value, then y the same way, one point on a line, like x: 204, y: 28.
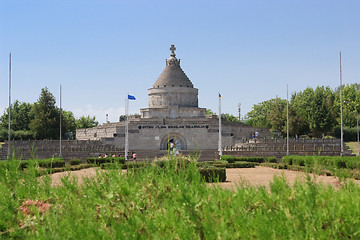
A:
x: 172, y: 203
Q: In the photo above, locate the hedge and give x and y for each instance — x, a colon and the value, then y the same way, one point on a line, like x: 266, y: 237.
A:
x: 111, y: 166
x: 98, y: 161
x: 128, y: 165
x: 349, y: 134
x: 212, y: 174
x: 325, y: 161
x: 240, y: 165
x: 271, y: 160
x: 75, y: 162
x: 231, y: 159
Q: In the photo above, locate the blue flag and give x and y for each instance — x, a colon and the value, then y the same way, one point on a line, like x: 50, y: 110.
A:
x: 131, y: 97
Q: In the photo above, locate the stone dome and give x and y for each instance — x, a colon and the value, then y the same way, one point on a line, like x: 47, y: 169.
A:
x: 173, y: 75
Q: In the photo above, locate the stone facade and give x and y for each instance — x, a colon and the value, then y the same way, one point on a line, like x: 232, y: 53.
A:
x: 173, y: 116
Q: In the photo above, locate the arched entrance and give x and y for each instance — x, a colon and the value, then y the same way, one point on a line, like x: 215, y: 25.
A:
x: 173, y: 140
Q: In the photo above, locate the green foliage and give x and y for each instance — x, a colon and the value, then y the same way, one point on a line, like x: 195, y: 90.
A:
x: 268, y: 114
x: 86, y: 122
x: 271, y: 160
x: 224, y: 116
x: 131, y: 165
x: 75, y: 162
x: 98, y: 161
x: 231, y: 159
x: 45, y: 124
x: 20, y: 119
x: 328, y: 165
x: 153, y: 204
x: 50, y: 163
x: 241, y: 165
x: 213, y: 174
x: 350, y: 134
x: 312, y: 112
x: 20, y: 116
x: 68, y: 124
x: 210, y: 112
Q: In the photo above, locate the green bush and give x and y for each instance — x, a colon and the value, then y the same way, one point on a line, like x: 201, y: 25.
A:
x: 231, y: 159
x: 228, y: 158
x: 98, y: 161
x: 212, y: 174
x: 240, y: 165
x: 111, y: 166
x: 129, y: 165
x: 349, y: 134
x: 75, y: 162
x: 50, y: 162
x: 271, y: 160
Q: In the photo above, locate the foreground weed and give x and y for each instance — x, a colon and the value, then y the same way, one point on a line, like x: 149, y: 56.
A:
x: 171, y: 203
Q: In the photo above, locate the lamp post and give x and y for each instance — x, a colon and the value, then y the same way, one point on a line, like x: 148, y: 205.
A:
x: 341, y: 114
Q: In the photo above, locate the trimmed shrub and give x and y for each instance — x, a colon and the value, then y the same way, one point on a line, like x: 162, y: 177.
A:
x: 240, y: 165
x: 98, y: 161
x: 75, y: 162
x: 212, y: 174
x: 231, y: 159
x: 271, y: 160
x: 350, y: 134
x: 129, y: 165
x: 51, y: 162
x: 111, y: 166
x: 228, y: 158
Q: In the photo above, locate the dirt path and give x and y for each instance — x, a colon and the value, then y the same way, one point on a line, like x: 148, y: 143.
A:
x: 258, y: 176
x: 262, y: 176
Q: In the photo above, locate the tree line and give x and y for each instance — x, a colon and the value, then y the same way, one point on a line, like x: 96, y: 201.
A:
x: 312, y: 112
x: 41, y: 120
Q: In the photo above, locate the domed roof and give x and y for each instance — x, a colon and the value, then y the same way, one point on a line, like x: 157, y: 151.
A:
x: 173, y: 75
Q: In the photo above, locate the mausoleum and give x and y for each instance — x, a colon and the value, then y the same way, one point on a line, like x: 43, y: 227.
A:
x: 173, y: 115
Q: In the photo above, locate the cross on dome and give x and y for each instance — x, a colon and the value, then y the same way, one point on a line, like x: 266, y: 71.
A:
x: 172, y: 49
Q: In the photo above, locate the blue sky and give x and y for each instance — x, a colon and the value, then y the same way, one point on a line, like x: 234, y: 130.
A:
x: 246, y: 50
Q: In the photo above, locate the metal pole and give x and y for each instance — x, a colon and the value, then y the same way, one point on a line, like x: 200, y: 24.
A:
x: 9, y: 133
x: 220, y: 142
x: 341, y: 113
x: 287, y: 120
x: 126, y: 127
x: 60, y: 155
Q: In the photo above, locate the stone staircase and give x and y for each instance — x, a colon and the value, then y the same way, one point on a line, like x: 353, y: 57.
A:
x: 261, y: 147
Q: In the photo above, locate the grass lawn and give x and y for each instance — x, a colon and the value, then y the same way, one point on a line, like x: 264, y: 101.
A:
x: 353, y: 147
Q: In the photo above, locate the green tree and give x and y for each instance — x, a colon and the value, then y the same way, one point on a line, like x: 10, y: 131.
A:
x: 20, y: 116
x: 210, y: 112
x: 68, y: 123
x: 322, y: 117
x: 268, y: 114
x: 351, y: 104
x: 20, y: 120
x: 45, y: 124
x: 277, y: 115
x: 299, y: 109
x: 229, y: 117
x: 86, y: 122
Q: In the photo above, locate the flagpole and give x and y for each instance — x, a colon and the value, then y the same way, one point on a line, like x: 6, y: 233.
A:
x: 126, y: 126
x: 341, y: 113
x: 9, y: 133
x: 287, y: 120
x: 220, y: 143
x: 60, y: 155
